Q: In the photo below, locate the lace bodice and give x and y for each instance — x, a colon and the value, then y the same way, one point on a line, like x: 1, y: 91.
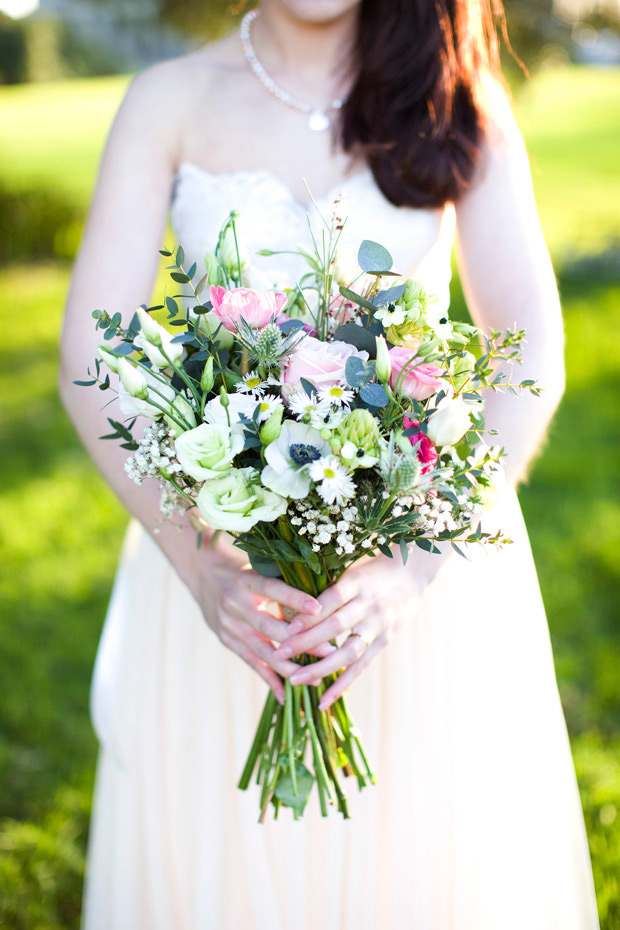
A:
x: 420, y: 240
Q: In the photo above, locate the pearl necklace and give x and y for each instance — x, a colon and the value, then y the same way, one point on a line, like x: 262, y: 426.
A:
x: 318, y: 119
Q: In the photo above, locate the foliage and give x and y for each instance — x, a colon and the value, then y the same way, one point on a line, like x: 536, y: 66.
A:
x: 36, y: 224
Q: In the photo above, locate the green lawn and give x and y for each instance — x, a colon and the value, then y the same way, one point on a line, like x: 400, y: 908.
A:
x: 60, y: 527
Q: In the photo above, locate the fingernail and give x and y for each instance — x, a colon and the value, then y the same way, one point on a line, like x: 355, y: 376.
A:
x: 283, y: 652
x: 311, y: 607
x: 280, y: 699
x: 295, y: 627
x: 323, y: 705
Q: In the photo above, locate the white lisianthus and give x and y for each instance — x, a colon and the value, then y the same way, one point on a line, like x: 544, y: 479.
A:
x: 334, y: 482
x: 289, y: 456
x: 236, y: 501
x: 237, y: 404
x: 137, y: 387
x: 152, y: 338
x: 183, y: 410
x: 450, y: 421
x: 208, y: 450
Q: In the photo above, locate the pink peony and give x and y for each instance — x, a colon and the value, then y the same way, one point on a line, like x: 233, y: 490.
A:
x: 421, y: 380
x: 322, y: 363
x: 427, y: 453
x: 255, y: 307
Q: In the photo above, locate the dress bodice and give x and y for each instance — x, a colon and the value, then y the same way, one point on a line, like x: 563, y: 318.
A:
x: 419, y: 239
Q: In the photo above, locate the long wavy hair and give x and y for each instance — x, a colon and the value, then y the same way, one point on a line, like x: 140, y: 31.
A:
x: 415, y: 111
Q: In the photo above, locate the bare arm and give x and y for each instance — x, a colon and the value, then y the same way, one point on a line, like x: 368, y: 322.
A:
x: 115, y: 270
x: 508, y: 279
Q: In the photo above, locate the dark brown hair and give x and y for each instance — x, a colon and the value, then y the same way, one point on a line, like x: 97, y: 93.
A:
x: 415, y: 111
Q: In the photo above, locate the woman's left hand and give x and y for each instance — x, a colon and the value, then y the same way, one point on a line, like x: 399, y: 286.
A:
x: 371, y: 600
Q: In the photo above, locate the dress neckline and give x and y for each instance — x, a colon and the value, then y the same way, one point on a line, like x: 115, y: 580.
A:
x: 275, y: 179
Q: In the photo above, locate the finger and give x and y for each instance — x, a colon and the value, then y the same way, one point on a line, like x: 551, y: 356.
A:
x: 277, y: 590
x: 344, y: 619
x: 331, y: 600
x: 261, y: 647
x: 266, y: 673
x: 350, y: 651
x: 346, y: 678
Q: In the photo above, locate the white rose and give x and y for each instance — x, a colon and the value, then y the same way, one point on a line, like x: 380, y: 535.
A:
x: 449, y: 422
x: 236, y: 502
x: 207, y: 451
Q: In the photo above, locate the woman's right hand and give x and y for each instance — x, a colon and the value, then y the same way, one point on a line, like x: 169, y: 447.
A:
x: 241, y: 607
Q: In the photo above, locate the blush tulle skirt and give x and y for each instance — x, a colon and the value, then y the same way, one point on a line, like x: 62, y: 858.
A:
x: 475, y: 822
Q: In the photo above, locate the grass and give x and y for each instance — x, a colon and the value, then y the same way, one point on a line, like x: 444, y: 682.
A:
x: 55, y: 577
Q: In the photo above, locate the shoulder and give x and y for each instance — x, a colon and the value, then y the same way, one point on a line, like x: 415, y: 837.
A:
x: 166, y: 95
x: 501, y: 128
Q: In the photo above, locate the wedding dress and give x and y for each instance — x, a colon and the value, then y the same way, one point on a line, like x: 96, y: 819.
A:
x: 475, y: 822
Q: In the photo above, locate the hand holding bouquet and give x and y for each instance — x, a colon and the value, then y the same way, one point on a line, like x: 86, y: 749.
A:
x: 335, y: 419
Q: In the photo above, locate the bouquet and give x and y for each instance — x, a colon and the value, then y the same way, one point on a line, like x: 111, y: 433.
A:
x: 338, y: 418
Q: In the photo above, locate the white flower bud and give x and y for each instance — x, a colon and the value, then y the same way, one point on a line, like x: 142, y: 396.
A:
x: 151, y: 329
x: 132, y: 379
x: 450, y: 421
x: 107, y: 357
x: 384, y: 362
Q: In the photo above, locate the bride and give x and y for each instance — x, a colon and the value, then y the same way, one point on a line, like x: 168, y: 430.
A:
x: 396, y: 111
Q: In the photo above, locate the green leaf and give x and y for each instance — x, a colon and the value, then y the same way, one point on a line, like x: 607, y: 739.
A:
x: 427, y: 544
x: 165, y: 252
x: 357, y: 299
x: 404, y: 551
x: 85, y: 383
x: 172, y: 305
x: 373, y: 258
x: 201, y: 285
x: 180, y: 256
x: 179, y: 277
x: 308, y: 387
x: 284, y: 788
x: 265, y: 567
x: 459, y: 550
x: 191, y: 271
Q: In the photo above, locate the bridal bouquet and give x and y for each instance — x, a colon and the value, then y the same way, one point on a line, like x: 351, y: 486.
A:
x: 335, y: 419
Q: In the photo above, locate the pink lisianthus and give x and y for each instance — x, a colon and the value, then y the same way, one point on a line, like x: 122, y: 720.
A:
x: 322, y: 363
x: 427, y: 453
x: 420, y: 379
x: 255, y: 307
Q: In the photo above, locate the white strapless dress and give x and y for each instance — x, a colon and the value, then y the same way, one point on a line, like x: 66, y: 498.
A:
x: 475, y: 823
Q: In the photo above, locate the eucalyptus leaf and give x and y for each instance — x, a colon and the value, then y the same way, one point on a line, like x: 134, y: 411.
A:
x: 179, y: 277
x: 389, y: 295
x: 357, y: 336
x: 172, y: 305
x: 180, y: 256
x: 373, y: 257
x: 374, y: 394
x: 290, y: 326
x: 354, y: 371
x: 357, y: 299
x: 308, y: 387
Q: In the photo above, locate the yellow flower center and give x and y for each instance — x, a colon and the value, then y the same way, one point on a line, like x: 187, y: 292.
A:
x: 253, y: 382
x: 336, y: 391
x: 329, y: 473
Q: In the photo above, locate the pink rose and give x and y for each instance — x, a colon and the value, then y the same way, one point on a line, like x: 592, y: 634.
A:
x: 322, y: 363
x: 427, y: 453
x: 421, y: 380
x: 255, y: 307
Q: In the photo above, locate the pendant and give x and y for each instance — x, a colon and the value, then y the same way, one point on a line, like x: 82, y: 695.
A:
x: 318, y: 121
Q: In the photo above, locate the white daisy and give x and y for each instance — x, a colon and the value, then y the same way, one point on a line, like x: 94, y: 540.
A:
x: 251, y: 383
x: 301, y: 405
x: 334, y: 482
x: 339, y: 394
x: 267, y: 405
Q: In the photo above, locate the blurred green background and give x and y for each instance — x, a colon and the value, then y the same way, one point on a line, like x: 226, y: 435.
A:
x: 61, y: 528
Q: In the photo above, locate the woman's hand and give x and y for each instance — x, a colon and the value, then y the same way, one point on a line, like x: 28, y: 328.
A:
x: 371, y: 601
x: 243, y: 609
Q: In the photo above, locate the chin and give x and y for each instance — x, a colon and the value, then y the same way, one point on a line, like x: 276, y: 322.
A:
x: 318, y: 11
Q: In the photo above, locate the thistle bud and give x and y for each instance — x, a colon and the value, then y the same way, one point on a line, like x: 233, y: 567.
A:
x: 107, y: 357
x: 132, y: 379
x: 383, y: 366
x: 270, y: 430
x: 207, y: 379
